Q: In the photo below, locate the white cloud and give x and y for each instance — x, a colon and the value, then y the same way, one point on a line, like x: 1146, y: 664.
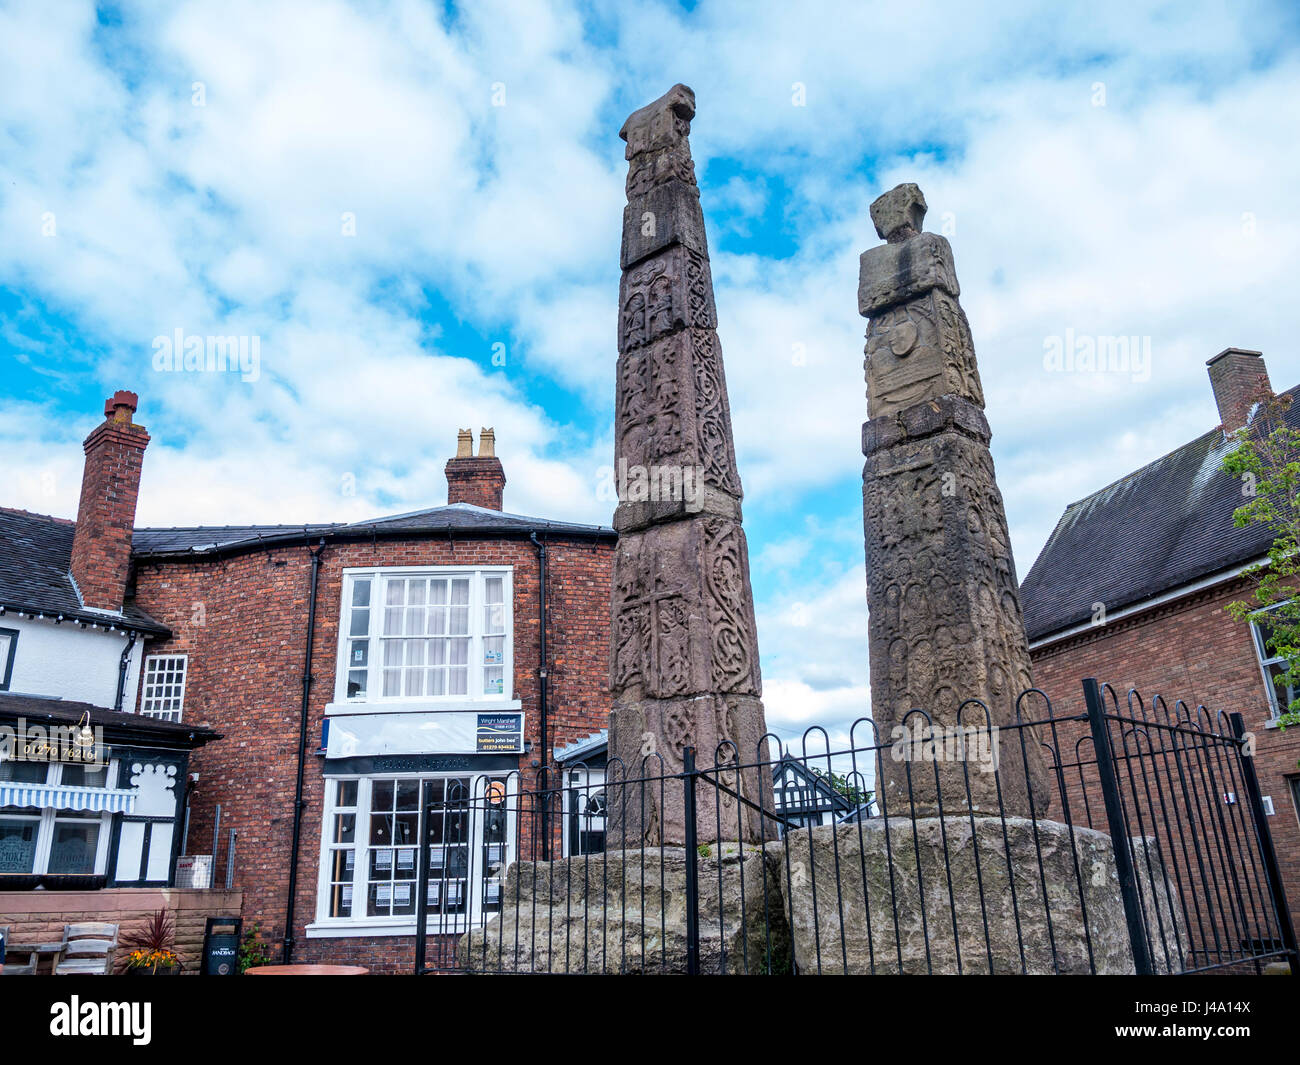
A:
x: 1134, y: 218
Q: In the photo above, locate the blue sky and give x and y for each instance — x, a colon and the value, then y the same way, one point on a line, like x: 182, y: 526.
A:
x: 1102, y: 170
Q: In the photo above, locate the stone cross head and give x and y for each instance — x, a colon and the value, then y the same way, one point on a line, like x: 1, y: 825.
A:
x: 898, y: 214
x: 661, y: 124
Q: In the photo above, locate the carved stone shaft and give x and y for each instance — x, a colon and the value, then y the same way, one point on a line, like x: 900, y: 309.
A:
x: 683, y: 651
x: 945, y: 625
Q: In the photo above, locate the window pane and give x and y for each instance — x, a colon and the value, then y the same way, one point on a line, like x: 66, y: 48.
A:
x: 74, y: 846
x: 361, y: 591
x: 85, y: 776
x: 342, y: 865
x: 416, y: 621
x: 24, y: 772
x: 360, y: 625
x: 408, y: 795
x: 356, y: 683
x: 346, y: 794
x: 340, y: 900
x: 18, y: 844
x: 458, y: 680
x: 345, y: 828
x: 414, y: 683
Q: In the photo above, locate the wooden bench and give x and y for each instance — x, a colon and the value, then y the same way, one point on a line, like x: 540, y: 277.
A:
x: 14, y: 950
x: 87, y: 950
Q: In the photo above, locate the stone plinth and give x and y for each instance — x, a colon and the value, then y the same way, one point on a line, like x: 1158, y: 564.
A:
x: 922, y: 904
x: 625, y: 912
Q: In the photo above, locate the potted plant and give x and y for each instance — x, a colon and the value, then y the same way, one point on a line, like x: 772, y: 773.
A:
x: 151, y: 952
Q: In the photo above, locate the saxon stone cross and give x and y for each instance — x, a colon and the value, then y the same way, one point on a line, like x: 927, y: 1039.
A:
x: 945, y: 624
x: 684, y: 656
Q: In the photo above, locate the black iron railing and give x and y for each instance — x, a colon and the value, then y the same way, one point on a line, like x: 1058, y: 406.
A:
x: 1146, y: 851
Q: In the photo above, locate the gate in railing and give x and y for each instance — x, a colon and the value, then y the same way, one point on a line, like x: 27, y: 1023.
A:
x: 1153, y: 857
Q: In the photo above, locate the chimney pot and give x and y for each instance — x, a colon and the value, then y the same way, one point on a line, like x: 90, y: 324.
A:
x: 1239, y: 378
x: 476, y: 479
x: 121, y: 405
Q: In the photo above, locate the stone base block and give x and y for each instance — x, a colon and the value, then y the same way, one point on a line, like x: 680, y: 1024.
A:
x: 935, y: 896
x: 625, y: 912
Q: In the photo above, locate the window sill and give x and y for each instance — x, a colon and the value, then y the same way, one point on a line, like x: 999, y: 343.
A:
x: 424, y: 706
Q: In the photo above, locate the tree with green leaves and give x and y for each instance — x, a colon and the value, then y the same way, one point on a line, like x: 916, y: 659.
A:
x: 850, y: 789
x: 1267, y: 461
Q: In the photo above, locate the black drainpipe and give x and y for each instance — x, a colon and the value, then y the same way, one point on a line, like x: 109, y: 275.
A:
x: 122, y: 668
x: 298, y: 801
x: 542, y: 684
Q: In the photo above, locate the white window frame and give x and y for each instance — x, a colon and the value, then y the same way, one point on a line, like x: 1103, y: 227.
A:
x: 580, y: 784
x: 474, y: 694
x: 1266, y: 659
x: 46, y: 817
x: 360, y: 925
x: 164, y: 715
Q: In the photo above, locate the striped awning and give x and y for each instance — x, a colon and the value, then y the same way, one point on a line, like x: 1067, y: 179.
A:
x: 46, y: 796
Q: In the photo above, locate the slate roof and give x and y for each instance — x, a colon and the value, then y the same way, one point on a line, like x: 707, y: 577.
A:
x: 35, y: 560
x: 36, y: 550
x: 119, y: 726
x: 461, y: 519
x: 1161, y: 527
x: 580, y: 750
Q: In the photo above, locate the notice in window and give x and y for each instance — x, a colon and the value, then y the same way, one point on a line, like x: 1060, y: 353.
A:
x: 500, y: 734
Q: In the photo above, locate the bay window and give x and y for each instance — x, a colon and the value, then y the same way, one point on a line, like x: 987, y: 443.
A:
x: 369, y: 874
x: 51, y: 820
x: 433, y: 634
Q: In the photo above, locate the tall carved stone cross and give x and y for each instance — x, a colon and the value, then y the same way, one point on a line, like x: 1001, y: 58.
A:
x: 945, y: 625
x: 684, y: 655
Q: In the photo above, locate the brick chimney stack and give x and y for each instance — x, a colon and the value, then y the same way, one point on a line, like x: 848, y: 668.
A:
x: 477, y: 479
x: 101, y: 545
x: 1240, y: 380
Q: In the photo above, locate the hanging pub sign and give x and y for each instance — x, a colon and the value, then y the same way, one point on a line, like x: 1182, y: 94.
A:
x: 500, y: 733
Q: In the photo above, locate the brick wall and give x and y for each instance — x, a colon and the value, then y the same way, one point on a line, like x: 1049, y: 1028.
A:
x: 1190, y: 650
x: 39, y: 916
x: 242, y: 620
x: 1239, y: 379
x: 479, y: 480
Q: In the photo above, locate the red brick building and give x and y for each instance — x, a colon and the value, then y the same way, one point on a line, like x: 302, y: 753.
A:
x: 346, y: 665
x: 1132, y: 586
